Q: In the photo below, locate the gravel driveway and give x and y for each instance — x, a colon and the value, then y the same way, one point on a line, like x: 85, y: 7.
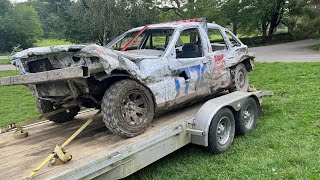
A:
x: 297, y: 51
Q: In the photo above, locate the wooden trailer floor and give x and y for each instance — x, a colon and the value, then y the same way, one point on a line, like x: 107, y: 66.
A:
x: 19, y: 156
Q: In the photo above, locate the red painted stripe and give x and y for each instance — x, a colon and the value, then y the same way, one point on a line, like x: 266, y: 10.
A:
x: 134, y: 38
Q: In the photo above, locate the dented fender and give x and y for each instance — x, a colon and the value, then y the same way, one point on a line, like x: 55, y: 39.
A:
x: 110, y: 60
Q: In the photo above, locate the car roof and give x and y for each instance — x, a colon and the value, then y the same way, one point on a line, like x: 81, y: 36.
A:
x: 178, y: 24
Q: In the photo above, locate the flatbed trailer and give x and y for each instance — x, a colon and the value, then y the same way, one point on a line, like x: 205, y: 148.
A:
x: 97, y: 153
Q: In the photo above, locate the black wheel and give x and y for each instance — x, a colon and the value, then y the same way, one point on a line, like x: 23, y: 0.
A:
x: 127, y: 108
x: 221, y: 131
x: 47, y: 106
x: 241, y: 78
x: 246, y: 118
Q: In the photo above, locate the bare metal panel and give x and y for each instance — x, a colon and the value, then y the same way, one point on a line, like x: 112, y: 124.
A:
x: 47, y: 76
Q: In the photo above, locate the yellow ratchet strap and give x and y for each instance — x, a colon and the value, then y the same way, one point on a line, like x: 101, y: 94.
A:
x: 36, y: 170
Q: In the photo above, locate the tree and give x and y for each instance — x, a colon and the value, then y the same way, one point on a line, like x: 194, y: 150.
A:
x: 51, y: 13
x: 102, y: 20
x: 5, y: 6
x: 19, y: 26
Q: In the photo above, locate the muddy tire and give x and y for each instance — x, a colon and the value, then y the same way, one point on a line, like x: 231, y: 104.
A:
x: 241, y: 78
x: 221, y: 131
x: 246, y: 118
x: 127, y: 108
x: 46, y: 107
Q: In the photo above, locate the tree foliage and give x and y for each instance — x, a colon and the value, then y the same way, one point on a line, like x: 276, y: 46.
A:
x: 51, y: 13
x: 100, y: 21
x: 19, y: 26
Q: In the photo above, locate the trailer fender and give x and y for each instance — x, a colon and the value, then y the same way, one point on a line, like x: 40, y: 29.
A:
x: 202, y: 121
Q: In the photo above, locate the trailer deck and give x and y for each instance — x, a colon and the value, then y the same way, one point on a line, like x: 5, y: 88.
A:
x: 97, y: 153
x: 95, y: 144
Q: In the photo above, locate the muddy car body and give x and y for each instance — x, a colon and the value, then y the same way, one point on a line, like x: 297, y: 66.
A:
x: 143, y: 71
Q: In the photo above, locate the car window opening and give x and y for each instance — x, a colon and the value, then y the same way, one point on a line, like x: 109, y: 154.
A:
x: 152, y: 41
x: 189, y: 44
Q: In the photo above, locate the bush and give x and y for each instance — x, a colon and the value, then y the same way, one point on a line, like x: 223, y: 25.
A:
x: 266, y: 40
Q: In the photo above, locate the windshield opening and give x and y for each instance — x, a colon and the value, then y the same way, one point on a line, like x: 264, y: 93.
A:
x: 150, y: 39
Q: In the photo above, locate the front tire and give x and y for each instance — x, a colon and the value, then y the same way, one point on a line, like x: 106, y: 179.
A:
x: 221, y: 131
x: 127, y: 108
x: 44, y: 107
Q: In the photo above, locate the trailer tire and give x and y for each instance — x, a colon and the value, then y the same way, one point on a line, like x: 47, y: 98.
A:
x: 221, y: 131
x: 246, y: 117
x: 44, y: 107
x: 127, y: 108
x: 241, y: 79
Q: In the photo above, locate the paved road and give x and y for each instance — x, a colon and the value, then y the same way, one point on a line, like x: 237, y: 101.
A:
x: 3, y: 57
x: 288, y: 52
x: 7, y: 67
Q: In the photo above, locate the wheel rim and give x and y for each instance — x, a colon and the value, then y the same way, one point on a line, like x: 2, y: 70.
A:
x: 135, y: 108
x: 241, y: 79
x: 248, y: 116
x: 223, y: 130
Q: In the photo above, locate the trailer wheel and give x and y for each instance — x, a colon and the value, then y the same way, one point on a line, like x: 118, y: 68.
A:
x: 241, y: 79
x: 44, y: 106
x: 127, y: 108
x: 246, y: 118
x: 221, y: 131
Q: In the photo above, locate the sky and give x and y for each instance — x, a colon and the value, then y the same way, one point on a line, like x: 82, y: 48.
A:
x: 17, y: 1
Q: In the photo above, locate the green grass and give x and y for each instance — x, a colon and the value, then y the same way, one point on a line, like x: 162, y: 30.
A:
x: 16, y: 102
x: 5, y: 54
x: 5, y: 61
x: 51, y: 42
x: 285, y: 144
x: 316, y: 47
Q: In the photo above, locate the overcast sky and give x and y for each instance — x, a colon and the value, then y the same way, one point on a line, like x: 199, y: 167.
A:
x: 17, y: 1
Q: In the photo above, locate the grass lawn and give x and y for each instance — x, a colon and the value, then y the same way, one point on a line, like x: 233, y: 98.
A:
x: 285, y: 144
x: 16, y: 102
x: 316, y: 47
x: 5, y: 61
x: 51, y: 42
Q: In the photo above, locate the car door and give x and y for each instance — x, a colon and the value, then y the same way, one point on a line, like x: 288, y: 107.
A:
x: 220, y: 52
x: 236, y: 49
x: 191, y: 62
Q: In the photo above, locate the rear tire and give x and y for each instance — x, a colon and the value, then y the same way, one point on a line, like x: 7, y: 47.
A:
x: 221, y: 131
x: 241, y: 79
x: 47, y: 106
x: 246, y: 118
x: 127, y: 108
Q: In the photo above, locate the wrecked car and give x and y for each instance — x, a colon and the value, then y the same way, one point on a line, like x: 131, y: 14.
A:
x: 144, y: 71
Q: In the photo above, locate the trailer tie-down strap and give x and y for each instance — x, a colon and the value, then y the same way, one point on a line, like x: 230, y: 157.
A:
x: 37, y: 119
x: 58, y: 153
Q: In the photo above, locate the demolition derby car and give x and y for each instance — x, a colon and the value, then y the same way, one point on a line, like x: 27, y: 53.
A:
x: 144, y: 71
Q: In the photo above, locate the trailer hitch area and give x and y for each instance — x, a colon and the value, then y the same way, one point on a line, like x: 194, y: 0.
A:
x: 60, y: 156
